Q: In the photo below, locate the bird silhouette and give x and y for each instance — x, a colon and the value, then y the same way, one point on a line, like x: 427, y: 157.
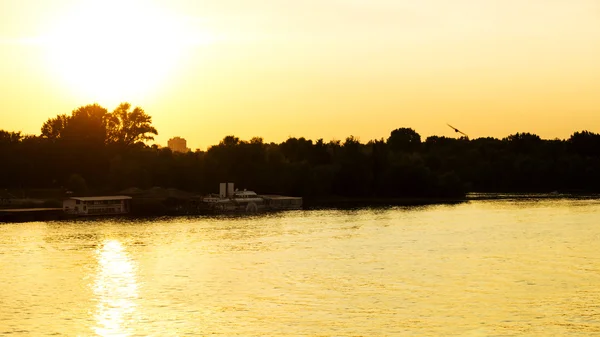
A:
x: 457, y: 130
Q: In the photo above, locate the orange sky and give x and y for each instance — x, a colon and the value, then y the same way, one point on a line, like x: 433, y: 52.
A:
x: 313, y: 68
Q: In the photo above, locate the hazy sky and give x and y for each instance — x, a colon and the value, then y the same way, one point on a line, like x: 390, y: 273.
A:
x: 314, y: 68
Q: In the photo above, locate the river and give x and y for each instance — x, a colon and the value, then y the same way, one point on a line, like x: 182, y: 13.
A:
x: 480, y: 268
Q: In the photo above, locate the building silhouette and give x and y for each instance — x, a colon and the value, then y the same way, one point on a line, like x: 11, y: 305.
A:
x: 178, y: 144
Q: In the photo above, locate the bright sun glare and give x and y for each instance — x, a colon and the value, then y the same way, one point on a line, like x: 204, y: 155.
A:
x: 115, y: 50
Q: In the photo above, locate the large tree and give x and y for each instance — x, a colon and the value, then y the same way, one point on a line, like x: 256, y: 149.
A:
x: 54, y: 127
x: 129, y: 127
x: 585, y: 143
x: 404, y: 139
x: 86, y: 123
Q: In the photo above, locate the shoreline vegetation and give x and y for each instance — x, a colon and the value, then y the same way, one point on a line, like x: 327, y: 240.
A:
x: 92, y: 151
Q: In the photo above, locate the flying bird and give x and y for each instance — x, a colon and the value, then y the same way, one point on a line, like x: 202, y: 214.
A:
x: 457, y: 130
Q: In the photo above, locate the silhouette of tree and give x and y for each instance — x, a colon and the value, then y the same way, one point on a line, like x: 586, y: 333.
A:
x: 7, y: 138
x: 230, y: 141
x: 128, y: 127
x: 84, y: 125
x: 404, y: 139
x: 82, y: 145
x: 53, y: 127
x: 524, y: 142
x: 87, y: 123
x: 585, y: 143
x: 256, y: 140
x: 297, y: 149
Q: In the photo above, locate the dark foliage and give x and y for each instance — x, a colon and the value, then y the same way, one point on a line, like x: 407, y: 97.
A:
x: 93, y: 150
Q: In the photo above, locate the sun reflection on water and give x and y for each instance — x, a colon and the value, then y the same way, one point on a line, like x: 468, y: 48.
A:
x: 116, y: 291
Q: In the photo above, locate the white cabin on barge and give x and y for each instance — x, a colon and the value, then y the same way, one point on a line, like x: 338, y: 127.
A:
x: 104, y: 205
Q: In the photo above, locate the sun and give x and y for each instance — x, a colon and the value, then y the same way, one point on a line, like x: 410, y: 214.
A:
x: 117, y: 50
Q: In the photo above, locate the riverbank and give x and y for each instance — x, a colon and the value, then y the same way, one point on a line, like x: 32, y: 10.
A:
x: 32, y: 210
x: 344, y: 202
x: 525, y: 196
x: 32, y: 214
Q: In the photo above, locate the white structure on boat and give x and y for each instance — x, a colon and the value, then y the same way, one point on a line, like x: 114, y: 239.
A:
x: 230, y: 199
x: 97, y: 205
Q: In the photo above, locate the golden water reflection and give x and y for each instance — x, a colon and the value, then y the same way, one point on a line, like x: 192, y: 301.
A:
x: 116, y: 291
x: 484, y: 268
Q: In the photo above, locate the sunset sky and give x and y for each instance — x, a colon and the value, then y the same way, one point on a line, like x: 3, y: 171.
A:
x: 314, y: 68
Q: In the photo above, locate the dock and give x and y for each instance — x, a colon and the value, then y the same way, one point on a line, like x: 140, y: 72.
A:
x: 31, y: 214
x: 281, y: 202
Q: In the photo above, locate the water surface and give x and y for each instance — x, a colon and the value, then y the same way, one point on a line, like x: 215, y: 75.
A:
x: 483, y: 268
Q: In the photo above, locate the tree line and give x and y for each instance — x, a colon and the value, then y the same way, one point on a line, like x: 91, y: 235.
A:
x: 92, y: 150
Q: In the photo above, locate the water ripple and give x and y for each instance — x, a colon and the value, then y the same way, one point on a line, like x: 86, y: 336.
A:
x: 483, y: 268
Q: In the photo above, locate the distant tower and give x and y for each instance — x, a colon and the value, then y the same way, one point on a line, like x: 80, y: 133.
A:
x: 178, y: 144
